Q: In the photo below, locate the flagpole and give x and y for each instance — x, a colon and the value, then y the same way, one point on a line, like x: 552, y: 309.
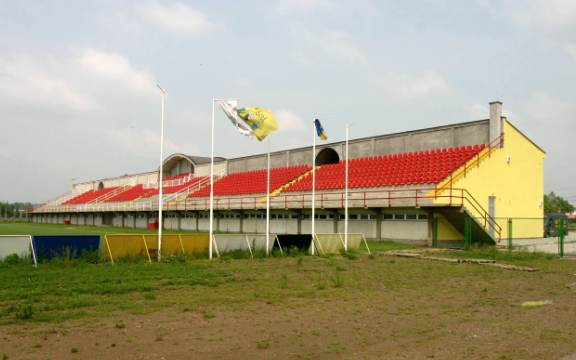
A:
x: 211, y: 231
x: 268, y: 201
x: 346, y: 196
x: 313, y: 204
x: 161, y: 175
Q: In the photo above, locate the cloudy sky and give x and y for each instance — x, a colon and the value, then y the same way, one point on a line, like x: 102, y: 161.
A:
x: 77, y: 78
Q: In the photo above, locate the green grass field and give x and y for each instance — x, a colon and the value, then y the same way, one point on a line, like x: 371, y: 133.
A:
x: 355, y: 306
x: 58, y: 229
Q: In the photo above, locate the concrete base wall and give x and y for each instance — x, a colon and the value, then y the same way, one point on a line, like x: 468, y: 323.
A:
x: 141, y: 221
x: 118, y: 220
x: 366, y: 227
x: 373, y: 227
x: 188, y: 223
x: 416, y: 230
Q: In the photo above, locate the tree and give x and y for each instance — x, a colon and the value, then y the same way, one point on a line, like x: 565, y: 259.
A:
x: 556, y: 204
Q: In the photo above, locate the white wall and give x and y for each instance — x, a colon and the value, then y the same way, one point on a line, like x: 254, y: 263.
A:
x: 141, y: 221
x: 188, y: 223
x: 412, y: 230
x: 366, y: 227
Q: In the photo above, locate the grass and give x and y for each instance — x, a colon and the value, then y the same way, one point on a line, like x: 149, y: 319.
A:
x: 22, y: 228
x: 61, y: 290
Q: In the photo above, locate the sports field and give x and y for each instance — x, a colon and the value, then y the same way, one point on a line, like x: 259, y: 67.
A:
x: 58, y: 229
x: 293, y: 307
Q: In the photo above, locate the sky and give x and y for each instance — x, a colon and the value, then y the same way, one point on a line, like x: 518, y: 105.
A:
x: 78, y: 96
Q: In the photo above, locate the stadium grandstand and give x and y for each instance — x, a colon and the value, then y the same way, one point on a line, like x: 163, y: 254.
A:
x: 423, y: 186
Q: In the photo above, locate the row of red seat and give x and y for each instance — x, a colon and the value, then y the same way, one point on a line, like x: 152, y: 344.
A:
x: 252, y: 182
x: 423, y: 167
x: 89, y: 196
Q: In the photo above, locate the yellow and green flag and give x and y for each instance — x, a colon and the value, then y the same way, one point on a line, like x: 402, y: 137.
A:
x: 256, y: 121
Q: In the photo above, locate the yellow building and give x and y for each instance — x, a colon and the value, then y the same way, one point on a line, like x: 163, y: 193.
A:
x: 507, y: 179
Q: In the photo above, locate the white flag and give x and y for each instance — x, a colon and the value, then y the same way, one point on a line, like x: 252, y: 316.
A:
x: 229, y: 108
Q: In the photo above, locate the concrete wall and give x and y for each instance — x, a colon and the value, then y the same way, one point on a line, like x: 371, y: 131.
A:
x: 471, y: 133
x: 188, y: 222
x: 141, y: 221
x: 118, y: 220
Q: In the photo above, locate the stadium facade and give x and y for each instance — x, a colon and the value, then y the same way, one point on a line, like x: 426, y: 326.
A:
x: 430, y: 186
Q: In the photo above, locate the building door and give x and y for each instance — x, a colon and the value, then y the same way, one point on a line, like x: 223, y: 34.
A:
x: 491, y: 212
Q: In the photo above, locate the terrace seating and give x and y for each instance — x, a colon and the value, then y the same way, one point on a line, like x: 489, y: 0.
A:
x: 175, y: 188
x: 89, y: 196
x: 131, y: 194
x: 422, y: 167
x: 252, y: 182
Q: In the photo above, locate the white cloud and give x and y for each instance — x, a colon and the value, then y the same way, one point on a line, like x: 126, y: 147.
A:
x: 482, y: 111
x: 571, y: 50
x: 287, y: 120
x: 144, y: 142
x: 323, y: 46
x: 177, y: 18
x: 26, y: 81
x: 549, y: 15
x: 112, y: 66
x: 411, y: 86
x: 303, y: 6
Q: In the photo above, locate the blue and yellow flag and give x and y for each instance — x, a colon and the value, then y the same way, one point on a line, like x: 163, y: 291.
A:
x: 320, y: 130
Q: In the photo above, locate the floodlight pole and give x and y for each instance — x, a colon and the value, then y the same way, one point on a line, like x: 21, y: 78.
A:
x: 161, y: 175
x: 268, y: 200
x: 211, y: 228
x: 346, y: 195
x: 313, y: 204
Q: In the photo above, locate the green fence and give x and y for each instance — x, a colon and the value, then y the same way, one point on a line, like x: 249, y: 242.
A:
x: 549, y: 235
x: 539, y: 234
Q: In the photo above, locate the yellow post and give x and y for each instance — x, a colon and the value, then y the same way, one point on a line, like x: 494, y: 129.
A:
x: 146, y: 247
x: 181, y: 245
x: 108, y: 247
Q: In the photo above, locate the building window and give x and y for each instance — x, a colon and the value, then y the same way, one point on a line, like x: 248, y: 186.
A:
x: 386, y: 216
x: 422, y: 216
x: 364, y: 216
x: 399, y: 216
x: 411, y: 216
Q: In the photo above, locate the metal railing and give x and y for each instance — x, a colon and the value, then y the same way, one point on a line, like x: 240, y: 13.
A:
x: 406, y: 197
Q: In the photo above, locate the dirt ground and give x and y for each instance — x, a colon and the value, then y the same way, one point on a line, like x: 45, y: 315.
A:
x: 473, y: 316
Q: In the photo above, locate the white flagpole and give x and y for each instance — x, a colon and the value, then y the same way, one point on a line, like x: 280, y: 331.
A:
x: 161, y: 175
x: 346, y: 196
x: 313, y: 204
x: 211, y: 231
x: 268, y: 201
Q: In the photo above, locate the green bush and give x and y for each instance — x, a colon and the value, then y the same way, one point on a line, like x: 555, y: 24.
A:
x: 12, y: 259
x: 91, y: 257
x: 24, y: 312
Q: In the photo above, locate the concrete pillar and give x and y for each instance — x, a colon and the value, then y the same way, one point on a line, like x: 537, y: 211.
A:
x: 378, y: 216
x: 197, y: 216
x: 495, y: 120
x: 336, y: 219
x: 299, y: 231
x: 179, y: 221
x: 241, y: 222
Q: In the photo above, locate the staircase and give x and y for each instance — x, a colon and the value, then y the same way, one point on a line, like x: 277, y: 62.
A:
x: 279, y: 190
x: 480, y: 234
